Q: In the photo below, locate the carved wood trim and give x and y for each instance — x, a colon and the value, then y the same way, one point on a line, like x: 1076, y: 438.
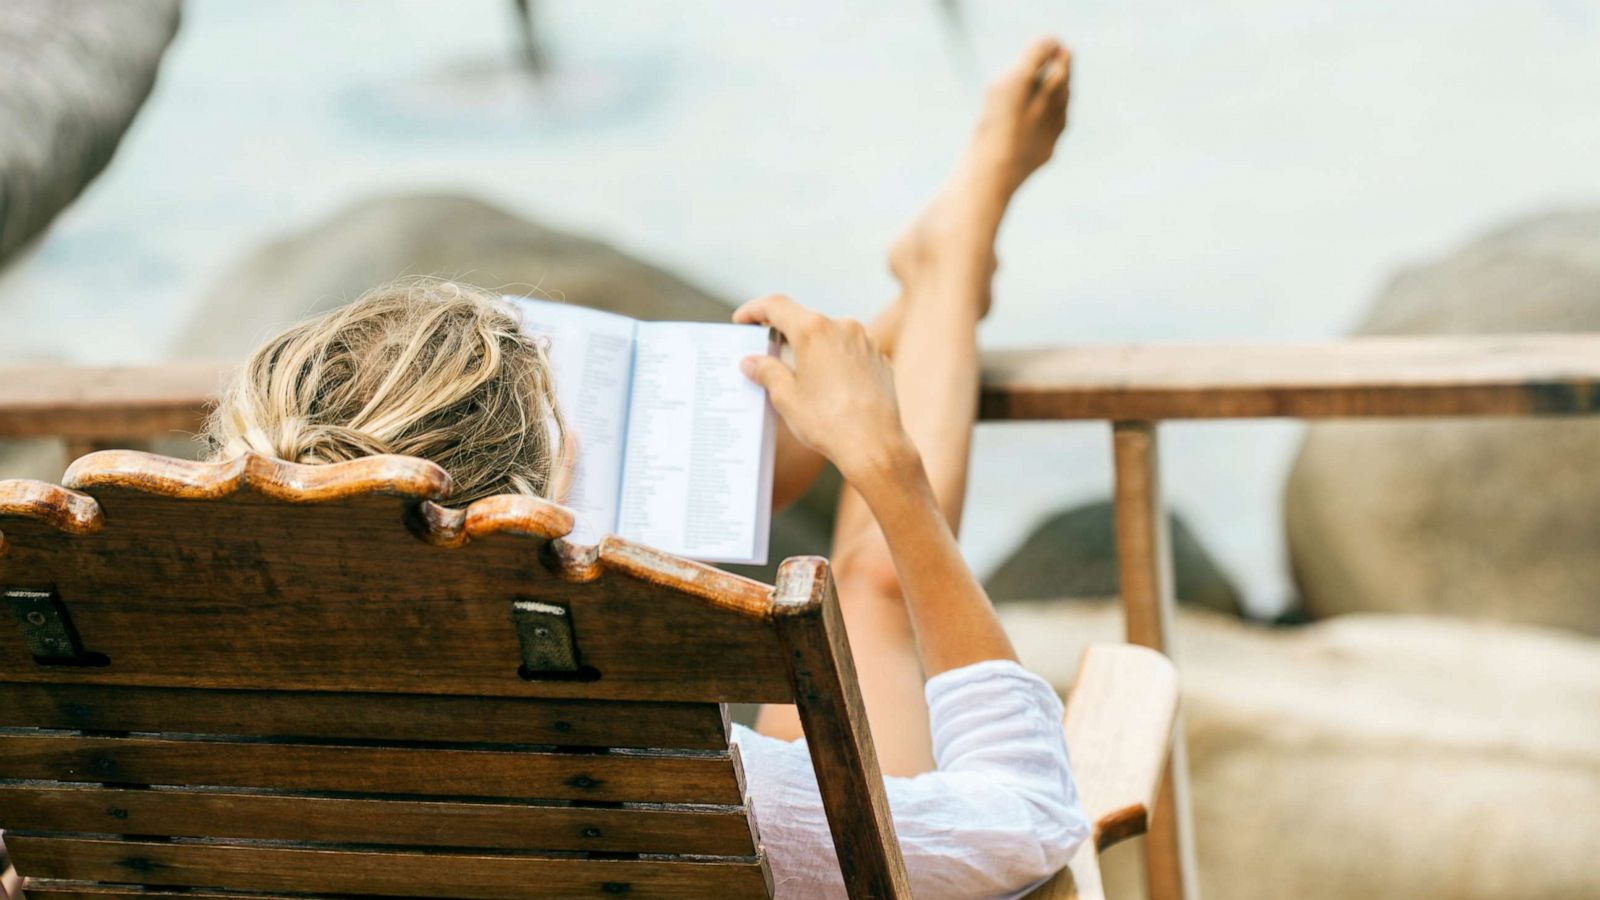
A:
x: 724, y: 589
x: 65, y: 510
x: 278, y: 479
x: 444, y: 526
x: 417, y: 480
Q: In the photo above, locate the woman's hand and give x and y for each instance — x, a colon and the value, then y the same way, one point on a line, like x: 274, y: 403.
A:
x: 838, y: 398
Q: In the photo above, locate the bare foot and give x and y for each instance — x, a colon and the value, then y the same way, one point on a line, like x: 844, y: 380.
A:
x: 1024, y: 112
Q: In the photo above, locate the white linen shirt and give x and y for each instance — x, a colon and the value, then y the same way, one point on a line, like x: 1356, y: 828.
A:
x: 998, y: 815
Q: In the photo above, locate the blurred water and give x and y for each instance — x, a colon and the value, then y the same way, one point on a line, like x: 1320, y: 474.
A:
x: 1248, y: 169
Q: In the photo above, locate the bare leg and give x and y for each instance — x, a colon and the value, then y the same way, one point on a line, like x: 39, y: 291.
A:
x: 945, y: 262
x: 10, y: 881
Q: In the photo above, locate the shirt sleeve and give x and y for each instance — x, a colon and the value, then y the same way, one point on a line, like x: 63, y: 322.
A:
x: 999, y: 814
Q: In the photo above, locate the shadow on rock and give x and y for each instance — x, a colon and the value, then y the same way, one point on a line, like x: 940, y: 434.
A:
x: 1073, y: 554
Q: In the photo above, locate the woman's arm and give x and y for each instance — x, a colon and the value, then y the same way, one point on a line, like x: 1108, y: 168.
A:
x: 838, y: 398
x: 1000, y: 814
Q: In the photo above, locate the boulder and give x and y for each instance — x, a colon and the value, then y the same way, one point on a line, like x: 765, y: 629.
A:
x: 75, y: 74
x: 1370, y: 755
x: 1490, y: 519
x: 1073, y: 554
x: 447, y: 235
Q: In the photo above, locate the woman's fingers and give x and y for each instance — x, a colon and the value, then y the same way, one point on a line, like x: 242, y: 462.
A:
x: 770, y: 373
x: 1056, y: 78
x: 1038, y: 53
x: 789, y: 317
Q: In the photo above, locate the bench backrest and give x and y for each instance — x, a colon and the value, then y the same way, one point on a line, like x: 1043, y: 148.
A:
x: 259, y: 676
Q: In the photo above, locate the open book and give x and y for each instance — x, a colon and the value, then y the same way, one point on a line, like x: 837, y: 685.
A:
x: 674, y: 444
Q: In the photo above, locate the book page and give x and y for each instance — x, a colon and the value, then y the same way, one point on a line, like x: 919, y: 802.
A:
x: 591, y: 352
x: 697, y: 476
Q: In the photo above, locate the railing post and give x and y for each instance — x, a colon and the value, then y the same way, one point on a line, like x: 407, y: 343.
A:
x: 1144, y: 560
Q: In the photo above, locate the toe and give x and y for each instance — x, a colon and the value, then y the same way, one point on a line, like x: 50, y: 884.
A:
x: 1024, y: 75
x: 1055, y: 78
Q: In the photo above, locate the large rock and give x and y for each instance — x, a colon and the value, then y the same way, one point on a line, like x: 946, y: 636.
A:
x: 447, y: 235
x: 75, y: 73
x: 1371, y: 755
x: 1073, y: 554
x: 1488, y: 519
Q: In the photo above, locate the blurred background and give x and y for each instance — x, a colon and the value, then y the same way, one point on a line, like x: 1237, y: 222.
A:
x: 1245, y: 170
x: 1241, y: 170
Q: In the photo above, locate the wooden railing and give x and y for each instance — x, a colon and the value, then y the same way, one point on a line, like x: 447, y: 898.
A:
x: 1136, y: 387
x: 1133, y: 388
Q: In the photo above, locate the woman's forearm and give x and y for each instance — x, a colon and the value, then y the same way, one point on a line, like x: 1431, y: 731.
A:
x: 954, y: 622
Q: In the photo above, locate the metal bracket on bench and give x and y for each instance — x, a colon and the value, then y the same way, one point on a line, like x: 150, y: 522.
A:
x: 45, y: 626
x: 545, y: 632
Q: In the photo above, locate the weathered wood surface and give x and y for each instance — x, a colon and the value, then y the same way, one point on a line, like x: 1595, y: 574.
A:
x: 98, y: 403
x: 1120, y: 720
x: 1501, y: 375
x: 478, y: 876
x: 299, y: 595
x: 1550, y: 374
x: 343, y: 570
x: 834, y: 716
x: 79, y: 890
x: 399, y: 717
x: 523, y: 774
x: 247, y: 815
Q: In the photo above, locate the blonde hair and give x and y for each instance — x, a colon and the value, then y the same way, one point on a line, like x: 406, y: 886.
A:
x: 419, y: 367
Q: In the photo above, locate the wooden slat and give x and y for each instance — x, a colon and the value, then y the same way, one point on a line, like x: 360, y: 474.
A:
x: 476, y: 876
x: 245, y: 592
x: 101, y: 403
x: 274, y: 817
x: 84, y: 890
x: 403, y: 717
x: 607, y: 777
x: 828, y: 700
x: 1550, y: 374
x: 1366, y: 376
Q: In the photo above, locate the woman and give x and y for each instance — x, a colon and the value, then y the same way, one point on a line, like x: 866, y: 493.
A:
x: 10, y: 881
x: 979, y: 783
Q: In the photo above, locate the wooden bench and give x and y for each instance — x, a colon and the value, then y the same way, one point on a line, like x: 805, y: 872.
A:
x: 262, y: 677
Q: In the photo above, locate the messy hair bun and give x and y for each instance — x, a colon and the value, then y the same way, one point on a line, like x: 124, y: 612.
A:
x: 419, y: 367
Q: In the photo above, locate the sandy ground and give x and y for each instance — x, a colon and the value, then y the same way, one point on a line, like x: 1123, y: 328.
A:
x: 1248, y: 170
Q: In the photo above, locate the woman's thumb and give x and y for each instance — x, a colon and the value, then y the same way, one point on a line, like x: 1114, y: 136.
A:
x: 769, y: 372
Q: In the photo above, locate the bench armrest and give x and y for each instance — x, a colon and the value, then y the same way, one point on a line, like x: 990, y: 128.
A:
x: 1119, y: 725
